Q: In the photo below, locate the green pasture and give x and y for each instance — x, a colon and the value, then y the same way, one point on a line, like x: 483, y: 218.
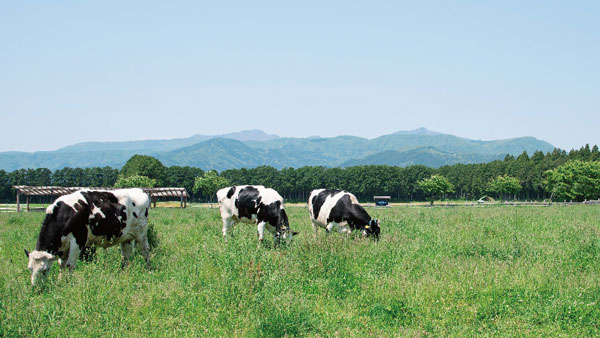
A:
x: 459, y: 272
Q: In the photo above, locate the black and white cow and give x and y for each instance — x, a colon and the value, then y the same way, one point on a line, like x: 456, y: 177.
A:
x: 254, y: 204
x: 340, y: 210
x: 90, y: 218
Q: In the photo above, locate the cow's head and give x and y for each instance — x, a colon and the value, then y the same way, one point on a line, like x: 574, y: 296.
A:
x: 284, y: 231
x: 40, y: 262
x: 372, y: 229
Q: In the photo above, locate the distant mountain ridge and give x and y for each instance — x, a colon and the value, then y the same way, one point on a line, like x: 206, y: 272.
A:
x: 251, y: 148
x: 419, y: 131
x: 169, y: 144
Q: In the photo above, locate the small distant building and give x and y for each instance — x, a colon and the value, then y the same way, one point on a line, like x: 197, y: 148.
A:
x: 382, y: 201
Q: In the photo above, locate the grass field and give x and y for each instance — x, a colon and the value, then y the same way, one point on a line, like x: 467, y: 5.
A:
x: 502, y: 271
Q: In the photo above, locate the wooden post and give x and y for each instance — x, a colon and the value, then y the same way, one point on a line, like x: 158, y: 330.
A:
x: 18, y: 202
x: 154, y: 199
x: 181, y: 200
x: 27, y: 203
x: 185, y: 202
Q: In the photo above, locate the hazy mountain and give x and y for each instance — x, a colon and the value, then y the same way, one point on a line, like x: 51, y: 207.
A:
x: 427, y: 156
x: 167, y: 145
x: 53, y: 160
x: 221, y: 154
x: 419, y: 131
x: 252, y: 148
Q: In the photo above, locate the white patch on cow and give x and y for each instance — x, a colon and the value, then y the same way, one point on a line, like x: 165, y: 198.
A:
x: 97, y: 211
x: 74, y: 251
x: 261, y: 231
x: 70, y: 200
x: 268, y: 195
x: 310, y: 204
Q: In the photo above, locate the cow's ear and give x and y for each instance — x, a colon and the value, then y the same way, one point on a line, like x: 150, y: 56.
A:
x: 26, y: 252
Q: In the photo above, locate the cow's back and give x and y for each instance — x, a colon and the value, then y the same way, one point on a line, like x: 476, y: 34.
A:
x: 136, y: 202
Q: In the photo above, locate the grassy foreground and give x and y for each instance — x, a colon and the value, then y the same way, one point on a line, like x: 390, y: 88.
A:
x: 501, y: 271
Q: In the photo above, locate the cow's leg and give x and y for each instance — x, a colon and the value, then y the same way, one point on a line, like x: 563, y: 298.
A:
x: 62, y: 263
x: 343, y: 228
x: 346, y: 229
x: 74, y: 251
x: 141, y: 240
x: 330, y: 227
x: 261, y: 231
x: 126, y: 250
x: 227, y: 224
x: 315, y: 226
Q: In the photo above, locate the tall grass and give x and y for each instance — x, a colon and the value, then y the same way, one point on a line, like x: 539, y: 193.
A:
x: 459, y: 272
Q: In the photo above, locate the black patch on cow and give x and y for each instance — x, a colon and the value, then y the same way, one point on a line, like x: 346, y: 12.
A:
x: 109, y: 226
x: 231, y: 192
x: 319, y: 199
x: 146, y: 214
x: 345, y: 210
x: 53, y: 227
x: 247, y: 202
x: 133, y: 203
x: 274, y: 215
x: 135, y: 215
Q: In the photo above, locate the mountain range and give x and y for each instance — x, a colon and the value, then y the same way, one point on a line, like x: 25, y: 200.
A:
x: 251, y: 148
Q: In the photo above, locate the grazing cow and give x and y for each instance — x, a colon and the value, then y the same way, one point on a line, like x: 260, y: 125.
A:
x: 254, y: 204
x: 340, y: 210
x: 90, y: 218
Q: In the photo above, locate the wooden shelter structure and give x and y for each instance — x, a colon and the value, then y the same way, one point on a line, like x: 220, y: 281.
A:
x: 154, y: 193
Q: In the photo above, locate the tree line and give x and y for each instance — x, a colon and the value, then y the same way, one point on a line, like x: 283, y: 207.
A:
x: 537, y: 177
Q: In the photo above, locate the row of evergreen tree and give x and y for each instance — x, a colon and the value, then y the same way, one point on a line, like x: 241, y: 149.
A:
x: 470, y: 181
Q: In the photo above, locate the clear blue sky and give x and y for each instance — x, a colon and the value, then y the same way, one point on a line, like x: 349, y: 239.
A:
x: 74, y: 71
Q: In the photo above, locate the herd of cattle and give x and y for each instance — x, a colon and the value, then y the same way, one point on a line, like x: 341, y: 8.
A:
x: 89, y: 218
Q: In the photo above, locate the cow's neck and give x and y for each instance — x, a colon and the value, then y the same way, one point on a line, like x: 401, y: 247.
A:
x: 49, y: 239
x: 361, y: 218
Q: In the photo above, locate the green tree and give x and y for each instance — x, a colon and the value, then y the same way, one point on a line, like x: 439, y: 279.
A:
x: 4, y: 186
x: 595, y: 154
x: 135, y: 181
x: 574, y: 180
x: 183, y: 177
x: 144, y: 165
x: 504, y: 185
x: 412, y: 176
x: 209, y: 184
x: 435, y: 187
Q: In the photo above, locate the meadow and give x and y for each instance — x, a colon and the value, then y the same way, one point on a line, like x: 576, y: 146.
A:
x: 448, y: 272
